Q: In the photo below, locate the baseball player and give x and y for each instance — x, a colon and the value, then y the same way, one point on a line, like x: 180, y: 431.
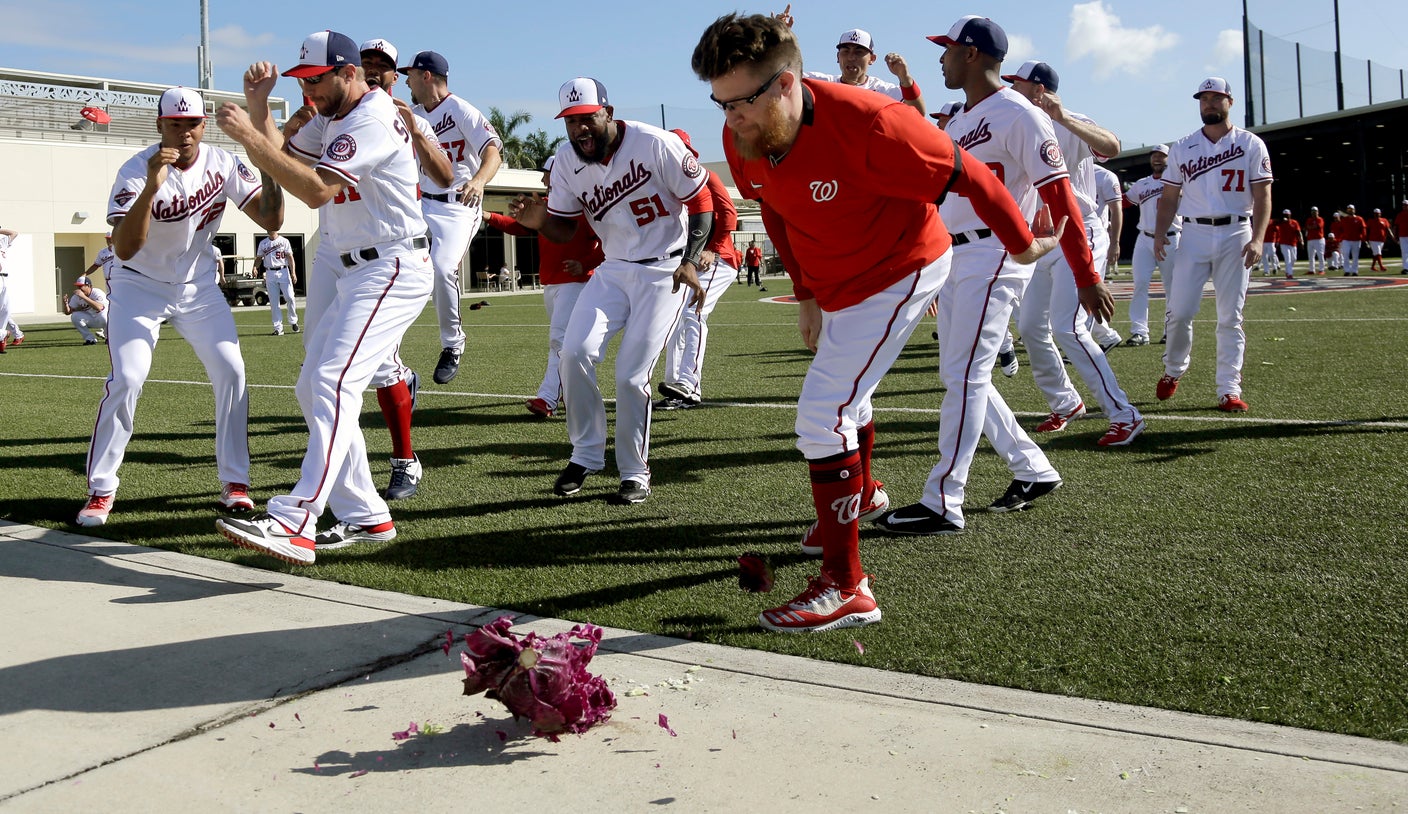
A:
x: 1288, y: 238
x: 945, y: 113
x: 1009, y: 134
x: 1109, y: 203
x: 367, y: 171
x: 106, y: 259
x: 7, y: 336
x: 1270, y: 262
x: 1350, y: 230
x: 686, y: 345
x: 275, y: 255
x: 1315, y: 242
x: 1377, y: 232
x: 851, y: 212
x: 564, y: 269
x: 165, y: 208
x: 1334, y: 259
x: 87, y: 308
x: 753, y: 260
x: 1400, y: 223
x: 1144, y: 194
x: 635, y: 183
x: 1051, y: 307
x: 452, y: 211
x: 855, y: 53
x: 1219, y: 178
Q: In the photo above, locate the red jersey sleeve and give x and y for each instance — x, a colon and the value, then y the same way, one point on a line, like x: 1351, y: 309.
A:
x: 1074, y: 245
x: 508, y: 225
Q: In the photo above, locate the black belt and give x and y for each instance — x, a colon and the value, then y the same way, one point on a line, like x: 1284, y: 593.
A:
x: 445, y: 198
x: 1169, y: 233
x: 350, y: 259
x: 675, y: 253
x: 1222, y: 221
x: 962, y: 238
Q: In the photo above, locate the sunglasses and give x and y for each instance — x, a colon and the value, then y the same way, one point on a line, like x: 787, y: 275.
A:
x: 729, y: 105
x: 313, y: 80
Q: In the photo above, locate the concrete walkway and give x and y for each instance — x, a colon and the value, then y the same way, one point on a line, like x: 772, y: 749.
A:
x: 135, y: 679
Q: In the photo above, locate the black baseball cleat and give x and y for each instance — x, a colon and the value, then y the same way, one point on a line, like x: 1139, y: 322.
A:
x: 917, y: 520
x: 1021, y: 493
x: 631, y: 491
x: 448, y: 367
x: 570, y: 481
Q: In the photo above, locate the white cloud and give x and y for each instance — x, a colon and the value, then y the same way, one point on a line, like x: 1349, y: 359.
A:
x: 1226, y: 50
x: 1116, y: 50
x: 1020, y: 48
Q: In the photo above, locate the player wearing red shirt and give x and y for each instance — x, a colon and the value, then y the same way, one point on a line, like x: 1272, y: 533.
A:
x: 1350, y: 231
x: 1288, y: 240
x: 753, y: 259
x: 1376, y: 232
x: 1400, y: 224
x: 847, y: 182
x: 1315, y: 241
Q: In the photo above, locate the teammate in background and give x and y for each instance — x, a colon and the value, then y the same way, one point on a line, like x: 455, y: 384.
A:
x: 165, y: 208
x: 1051, y: 306
x: 1144, y: 194
x: 1350, y: 230
x: 753, y: 260
x: 686, y: 345
x: 87, y: 308
x: 855, y: 53
x: 1334, y: 258
x: 275, y: 255
x: 1109, y: 203
x: 866, y: 261
x: 367, y: 172
x: 563, y: 269
x: 1270, y: 262
x: 1377, y: 232
x: 106, y: 259
x: 635, y: 182
x: 1288, y: 238
x: 945, y: 113
x: 452, y: 211
x: 1315, y: 242
x: 1220, y: 179
x: 1400, y: 223
x: 7, y: 336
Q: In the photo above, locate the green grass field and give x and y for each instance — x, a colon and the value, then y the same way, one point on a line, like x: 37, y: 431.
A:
x: 1243, y: 566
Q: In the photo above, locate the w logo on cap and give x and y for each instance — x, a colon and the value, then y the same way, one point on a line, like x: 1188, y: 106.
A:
x: 183, y: 106
x: 303, y: 52
x: 574, y: 96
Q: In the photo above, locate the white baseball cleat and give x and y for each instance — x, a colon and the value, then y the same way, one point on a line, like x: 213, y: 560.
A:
x: 265, y: 534
x: 96, y: 511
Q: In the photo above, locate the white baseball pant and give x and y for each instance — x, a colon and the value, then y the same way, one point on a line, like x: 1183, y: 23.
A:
x: 372, y: 306
x: 634, y: 299
x: 685, y: 347
x: 5, y: 319
x: 1290, y: 252
x: 1104, y: 333
x: 1209, y: 252
x: 197, y: 310
x: 1142, y: 269
x: 1350, y: 250
x: 559, y: 299
x: 1051, y: 310
x: 1403, y: 251
x: 452, y: 226
x: 88, y: 321
x: 1376, y: 248
x: 320, y: 286
x: 14, y: 329
x: 280, y: 285
x: 975, y: 305
x: 855, y: 350
x: 1316, y: 249
x: 1268, y: 258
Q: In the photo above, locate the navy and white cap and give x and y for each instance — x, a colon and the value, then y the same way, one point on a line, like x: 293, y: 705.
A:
x: 948, y: 109
x: 82, y: 281
x: 1285, y: 211
x: 547, y: 165
x: 380, y: 46
x: 1160, y: 148
x: 1034, y: 71
x: 1214, y: 84
x: 857, y: 36
x: 979, y: 32
x: 180, y: 103
x: 581, y: 96
x: 322, y: 52
x: 1317, y: 209
x: 428, y: 61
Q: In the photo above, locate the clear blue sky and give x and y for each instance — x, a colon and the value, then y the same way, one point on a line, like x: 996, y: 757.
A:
x: 1132, y: 66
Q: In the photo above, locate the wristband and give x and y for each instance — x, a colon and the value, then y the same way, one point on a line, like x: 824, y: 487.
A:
x: 909, y: 94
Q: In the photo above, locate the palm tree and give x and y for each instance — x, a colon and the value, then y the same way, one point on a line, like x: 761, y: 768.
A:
x: 539, y: 145
x: 507, y: 127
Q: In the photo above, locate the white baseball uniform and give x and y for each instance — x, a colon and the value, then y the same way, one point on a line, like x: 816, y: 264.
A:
x: 5, y: 319
x: 275, y: 255
x: 1216, y: 180
x: 171, y: 278
x: 1107, y: 192
x: 107, y: 258
x: 85, y: 317
x: 1144, y: 194
x: 636, y: 204
x: 381, y: 281
x: 876, y: 84
x: 1051, y: 308
x: 463, y: 133
x: 685, y: 347
x: 1015, y: 140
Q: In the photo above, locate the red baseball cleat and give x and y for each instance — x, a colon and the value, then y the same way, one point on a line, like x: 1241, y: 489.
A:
x: 1168, y: 385
x: 824, y: 606
x: 1232, y: 404
x: 1058, y: 421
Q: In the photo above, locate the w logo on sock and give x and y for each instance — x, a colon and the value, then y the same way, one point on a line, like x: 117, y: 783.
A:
x: 847, y: 509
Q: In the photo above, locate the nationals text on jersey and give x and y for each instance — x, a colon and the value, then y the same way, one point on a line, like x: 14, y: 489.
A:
x: 981, y: 134
x: 1205, y: 163
x: 181, y: 208
x: 603, y: 198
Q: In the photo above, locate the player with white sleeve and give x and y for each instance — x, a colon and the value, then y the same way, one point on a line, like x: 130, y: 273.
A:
x: 855, y: 53
x: 648, y: 199
x: 1144, y: 194
x: 1219, y: 178
x: 6, y: 237
x: 106, y: 259
x: 1109, y: 202
x: 87, y: 308
x: 165, y: 208
x: 367, y: 171
x: 1051, y: 308
x: 275, y: 254
x: 452, y: 211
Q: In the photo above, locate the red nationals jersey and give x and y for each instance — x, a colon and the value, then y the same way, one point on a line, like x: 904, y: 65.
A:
x: 1314, y: 228
x: 754, y: 256
x: 725, y: 221
x: 1400, y: 223
x: 850, y: 207
x: 1376, y: 230
x: 1350, y: 228
x: 584, y: 247
x: 1288, y: 232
